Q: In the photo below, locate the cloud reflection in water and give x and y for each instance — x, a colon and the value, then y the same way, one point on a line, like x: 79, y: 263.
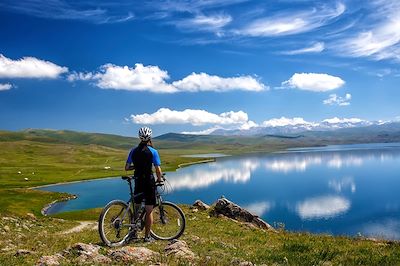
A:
x: 322, y: 207
x: 343, y: 184
x: 259, y: 208
x: 237, y: 172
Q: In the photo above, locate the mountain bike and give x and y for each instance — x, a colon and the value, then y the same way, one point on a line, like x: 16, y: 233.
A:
x: 118, y: 224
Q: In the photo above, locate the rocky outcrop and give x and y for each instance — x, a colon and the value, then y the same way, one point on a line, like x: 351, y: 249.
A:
x: 133, y: 254
x: 81, y: 253
x: 87, y: 253
x: 200, y: 205
x: 50, y: 260
x: 229, y: 209
x: 179, y: 249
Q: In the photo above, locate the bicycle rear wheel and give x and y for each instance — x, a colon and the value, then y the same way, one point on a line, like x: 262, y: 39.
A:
x: 169, y: 222
x: 113, y: 222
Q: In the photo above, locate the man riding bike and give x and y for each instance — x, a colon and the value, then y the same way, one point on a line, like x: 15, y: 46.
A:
x: 141, y: 159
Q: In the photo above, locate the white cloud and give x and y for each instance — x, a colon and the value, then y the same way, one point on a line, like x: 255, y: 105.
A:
x: 283, y: 121
x: 80, y: 76
x: 322, y: 207
x: 5, y: 86
x: 380, y: 39
x: 154, y: 79
x: 337, y: 100
x: 98, y: 12
x: 138, y: 78
x: 248, y: 125
x: 315, y: 48
x: 29, y: 67
x: 190, y: 116
x: 313, y: 82
x: 292, y: 23
x: 204, y: 82
x: 212, y: 23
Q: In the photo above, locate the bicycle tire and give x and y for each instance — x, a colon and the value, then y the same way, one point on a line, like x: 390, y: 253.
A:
x: 114, y: 224
x: 171, y: 226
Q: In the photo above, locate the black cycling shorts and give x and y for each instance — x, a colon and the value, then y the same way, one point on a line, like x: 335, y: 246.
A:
x: 148, y: 188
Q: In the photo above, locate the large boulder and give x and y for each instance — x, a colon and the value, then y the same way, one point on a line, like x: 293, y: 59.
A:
x: 229, y: 209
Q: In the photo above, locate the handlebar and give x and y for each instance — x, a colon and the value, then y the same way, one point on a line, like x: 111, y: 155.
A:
x: 131, y: 177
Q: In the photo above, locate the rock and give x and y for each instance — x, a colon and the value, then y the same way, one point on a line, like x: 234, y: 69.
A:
x: 26, y: 179
x: 31, y: 216
x: 133, y: 254
x: 22, y: 252
x: 195, y: 210
x: 6, y: 228
x: 93, y: 259
x: 88, y: 253
x: 83, y: 249
x: 201, y: 205
x: 50, y: 260
x: 229, y: 209
x: 179, y: 249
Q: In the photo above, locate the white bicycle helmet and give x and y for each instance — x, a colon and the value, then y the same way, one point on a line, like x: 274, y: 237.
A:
x: 145, y: 133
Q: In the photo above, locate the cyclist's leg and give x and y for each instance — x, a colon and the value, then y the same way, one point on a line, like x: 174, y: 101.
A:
x: 149, y: 219
x: 150, y: 201
x: 139, y: 188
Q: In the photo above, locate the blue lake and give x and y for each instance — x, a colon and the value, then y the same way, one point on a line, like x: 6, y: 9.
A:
x: 340, y: 190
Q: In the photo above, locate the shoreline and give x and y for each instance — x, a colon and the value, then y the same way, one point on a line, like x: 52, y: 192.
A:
x: 182, y: 165
x: 47, y: 207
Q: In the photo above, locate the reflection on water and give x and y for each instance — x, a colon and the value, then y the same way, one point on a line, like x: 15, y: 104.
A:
x: 214, y: 172
x: 349, y: 191
x: 259, y: 208
x: 322, y: 207
x: 343, y: 184
x: 385, y: 228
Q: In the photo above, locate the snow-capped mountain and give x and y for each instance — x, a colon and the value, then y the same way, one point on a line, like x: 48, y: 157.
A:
x: 298, y: 125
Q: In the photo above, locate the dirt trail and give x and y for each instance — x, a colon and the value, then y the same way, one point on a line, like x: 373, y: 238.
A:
x: 82, y: 225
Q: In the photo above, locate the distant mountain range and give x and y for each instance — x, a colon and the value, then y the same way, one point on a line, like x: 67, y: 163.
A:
x: 326, y: 125
x: 262, y: 139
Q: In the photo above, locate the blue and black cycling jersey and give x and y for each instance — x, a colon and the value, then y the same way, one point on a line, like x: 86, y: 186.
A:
x: 143, y: 158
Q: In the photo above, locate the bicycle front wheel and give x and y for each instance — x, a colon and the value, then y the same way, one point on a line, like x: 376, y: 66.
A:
x: 114, y: 223
x: 169, y: 222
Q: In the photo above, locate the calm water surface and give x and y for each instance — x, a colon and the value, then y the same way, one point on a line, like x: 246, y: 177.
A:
x: 347, y: 189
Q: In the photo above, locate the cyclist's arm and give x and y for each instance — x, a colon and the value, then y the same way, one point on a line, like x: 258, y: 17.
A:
x: 129, y: 167
x: 158, y: 173
x: 157, y: 164
x: 129, y: 163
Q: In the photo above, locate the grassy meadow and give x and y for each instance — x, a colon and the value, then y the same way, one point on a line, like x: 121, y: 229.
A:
x: 38, y: 157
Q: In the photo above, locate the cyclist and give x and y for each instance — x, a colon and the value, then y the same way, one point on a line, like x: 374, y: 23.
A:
x: 141, y: 159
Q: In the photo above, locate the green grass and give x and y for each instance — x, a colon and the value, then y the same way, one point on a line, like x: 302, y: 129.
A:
x: 217, y: 241
x: 46, y: 157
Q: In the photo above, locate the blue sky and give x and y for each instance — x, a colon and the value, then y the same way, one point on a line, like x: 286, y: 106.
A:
x: 192, y: 66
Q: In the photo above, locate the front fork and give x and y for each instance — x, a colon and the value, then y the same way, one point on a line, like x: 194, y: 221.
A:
x: 161, y: 207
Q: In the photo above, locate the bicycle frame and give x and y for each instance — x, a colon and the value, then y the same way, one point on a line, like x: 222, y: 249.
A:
x: 132, y: 206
